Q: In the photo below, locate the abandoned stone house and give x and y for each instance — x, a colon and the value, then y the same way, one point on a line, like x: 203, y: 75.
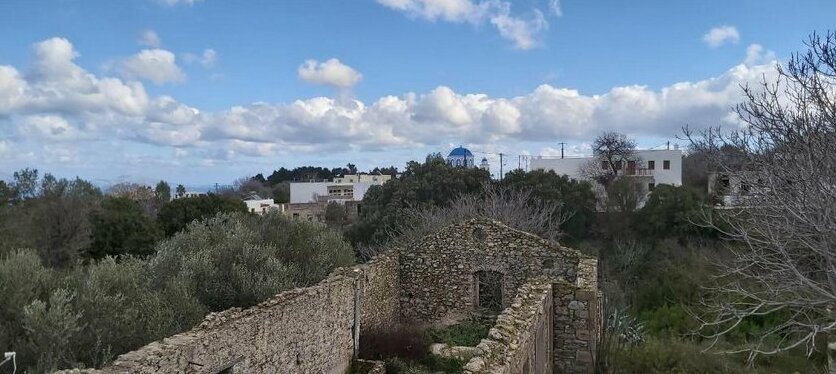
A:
x: 547, y: 294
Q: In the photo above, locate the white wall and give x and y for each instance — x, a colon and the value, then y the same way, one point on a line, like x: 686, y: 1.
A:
x: 572, y: 166
x: 307, y: 192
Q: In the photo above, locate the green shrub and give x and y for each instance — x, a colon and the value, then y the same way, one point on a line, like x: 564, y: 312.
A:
x: 239, y: 260
x: 177, y: 214
x: 121, y: 227
x: 51, y: 328
x: 88, y: 314
x: 468, y: 332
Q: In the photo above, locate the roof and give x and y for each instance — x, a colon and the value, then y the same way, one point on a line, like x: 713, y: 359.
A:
x: 460, y: 152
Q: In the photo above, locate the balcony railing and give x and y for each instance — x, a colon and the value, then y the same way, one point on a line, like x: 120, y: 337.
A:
x: 639, y: 172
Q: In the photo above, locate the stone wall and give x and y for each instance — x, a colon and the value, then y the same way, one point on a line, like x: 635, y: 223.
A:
x: 577, y: 320
x: 307, y: 330
x: 521, y: 340
x: 437, y: 272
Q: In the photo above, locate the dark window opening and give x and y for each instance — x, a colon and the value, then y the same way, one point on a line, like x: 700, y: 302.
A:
x: 618, y: 165
x: 666, y: 164
x: 651, y: 165
x: 548, y: 263
x: 651, y: 186
x: 489, y: 290
x: 604, y: 165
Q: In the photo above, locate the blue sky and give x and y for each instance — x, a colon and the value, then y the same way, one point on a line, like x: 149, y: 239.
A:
x: 204, y: 91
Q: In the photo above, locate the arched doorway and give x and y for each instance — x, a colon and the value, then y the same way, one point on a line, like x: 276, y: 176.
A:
x: 488, y: 289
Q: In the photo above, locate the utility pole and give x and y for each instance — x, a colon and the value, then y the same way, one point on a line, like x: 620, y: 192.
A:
x: 519, y: 162
x: 561, y: 149
x: 216, y: 187
x: 500, y: 167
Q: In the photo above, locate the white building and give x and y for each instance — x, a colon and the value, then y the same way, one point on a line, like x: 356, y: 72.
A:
x: 257, y: 205
x: 315, y: 192
x: 188, y: 194
x: 485, y: 165
x: 363, y: 178
x: 461, y: 157
x: 664, y: 166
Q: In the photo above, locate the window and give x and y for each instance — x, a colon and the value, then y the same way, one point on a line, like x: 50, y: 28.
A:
x: 651, y: 186
x: 295, y: 215
x: 252, y: 210
x: 651, y: 165
x: 666, y: 164
x: 631, y: 167
x: 618, y: 165
x: 604, y: 165
x: 458, y: 162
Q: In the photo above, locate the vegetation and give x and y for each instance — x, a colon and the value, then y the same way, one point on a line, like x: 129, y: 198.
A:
x: 405, y: 349
x: 177, y: 214
x: 468, y: 332
x: 89, y: 314
x: 429, y: 184
x: 121, y: 227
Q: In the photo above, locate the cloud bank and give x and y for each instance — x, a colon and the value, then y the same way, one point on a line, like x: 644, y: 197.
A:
x: 54, y: 101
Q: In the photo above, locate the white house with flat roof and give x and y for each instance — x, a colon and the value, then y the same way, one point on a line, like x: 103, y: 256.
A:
x: 315, y: 192
x: 363, y: 178
x: 664, y: 166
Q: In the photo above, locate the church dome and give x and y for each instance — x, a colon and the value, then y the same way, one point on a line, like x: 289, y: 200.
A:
x: 460, y: 152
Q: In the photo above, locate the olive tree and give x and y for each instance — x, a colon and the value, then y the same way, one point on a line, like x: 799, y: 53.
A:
x: 783, y: 234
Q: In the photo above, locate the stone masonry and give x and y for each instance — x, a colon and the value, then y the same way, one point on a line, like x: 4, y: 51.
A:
x: 437, y: 272
x: 549, y: 293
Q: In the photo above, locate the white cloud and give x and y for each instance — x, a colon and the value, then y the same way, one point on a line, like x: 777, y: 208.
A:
x: 48, y: 127
x: 156, y: 65
x: 5, y: 148
x: 207, y: 58
x: 554, y: 7
x: 721, y: 35
x: 12, y: 87
x: 756, y: 54
x: 59, y: 102
x: 178, y: 2
x: 523, y: 33
x: 149, y: 38
x: 331, y: 73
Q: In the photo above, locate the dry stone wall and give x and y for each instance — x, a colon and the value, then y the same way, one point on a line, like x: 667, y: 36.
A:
x: 307, y: 330
x: 438, y: 272
x: 550, y: 322
x: 577, y: 320
x: 521, y: 340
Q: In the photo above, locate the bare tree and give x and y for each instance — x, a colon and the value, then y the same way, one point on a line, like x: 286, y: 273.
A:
x: 783, y: 238
x: 513, y: 207
x: 613, y: 152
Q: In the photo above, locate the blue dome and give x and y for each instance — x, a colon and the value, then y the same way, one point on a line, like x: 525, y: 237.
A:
x: 460, y: 152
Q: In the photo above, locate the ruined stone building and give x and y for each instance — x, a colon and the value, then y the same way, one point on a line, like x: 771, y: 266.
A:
x: 547, y: 294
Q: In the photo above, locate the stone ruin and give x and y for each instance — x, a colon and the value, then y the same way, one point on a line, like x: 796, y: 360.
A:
x: 548, y: 297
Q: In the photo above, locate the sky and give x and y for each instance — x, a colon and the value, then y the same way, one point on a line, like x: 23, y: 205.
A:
x: 198, y: 92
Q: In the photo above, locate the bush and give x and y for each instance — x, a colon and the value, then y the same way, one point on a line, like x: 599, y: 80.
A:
x: 121, y: 227
x: 50, y: 328
x: 674, y: 356
x: 468, y: 332
x: 88, y: 314
x: 177, y: 214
